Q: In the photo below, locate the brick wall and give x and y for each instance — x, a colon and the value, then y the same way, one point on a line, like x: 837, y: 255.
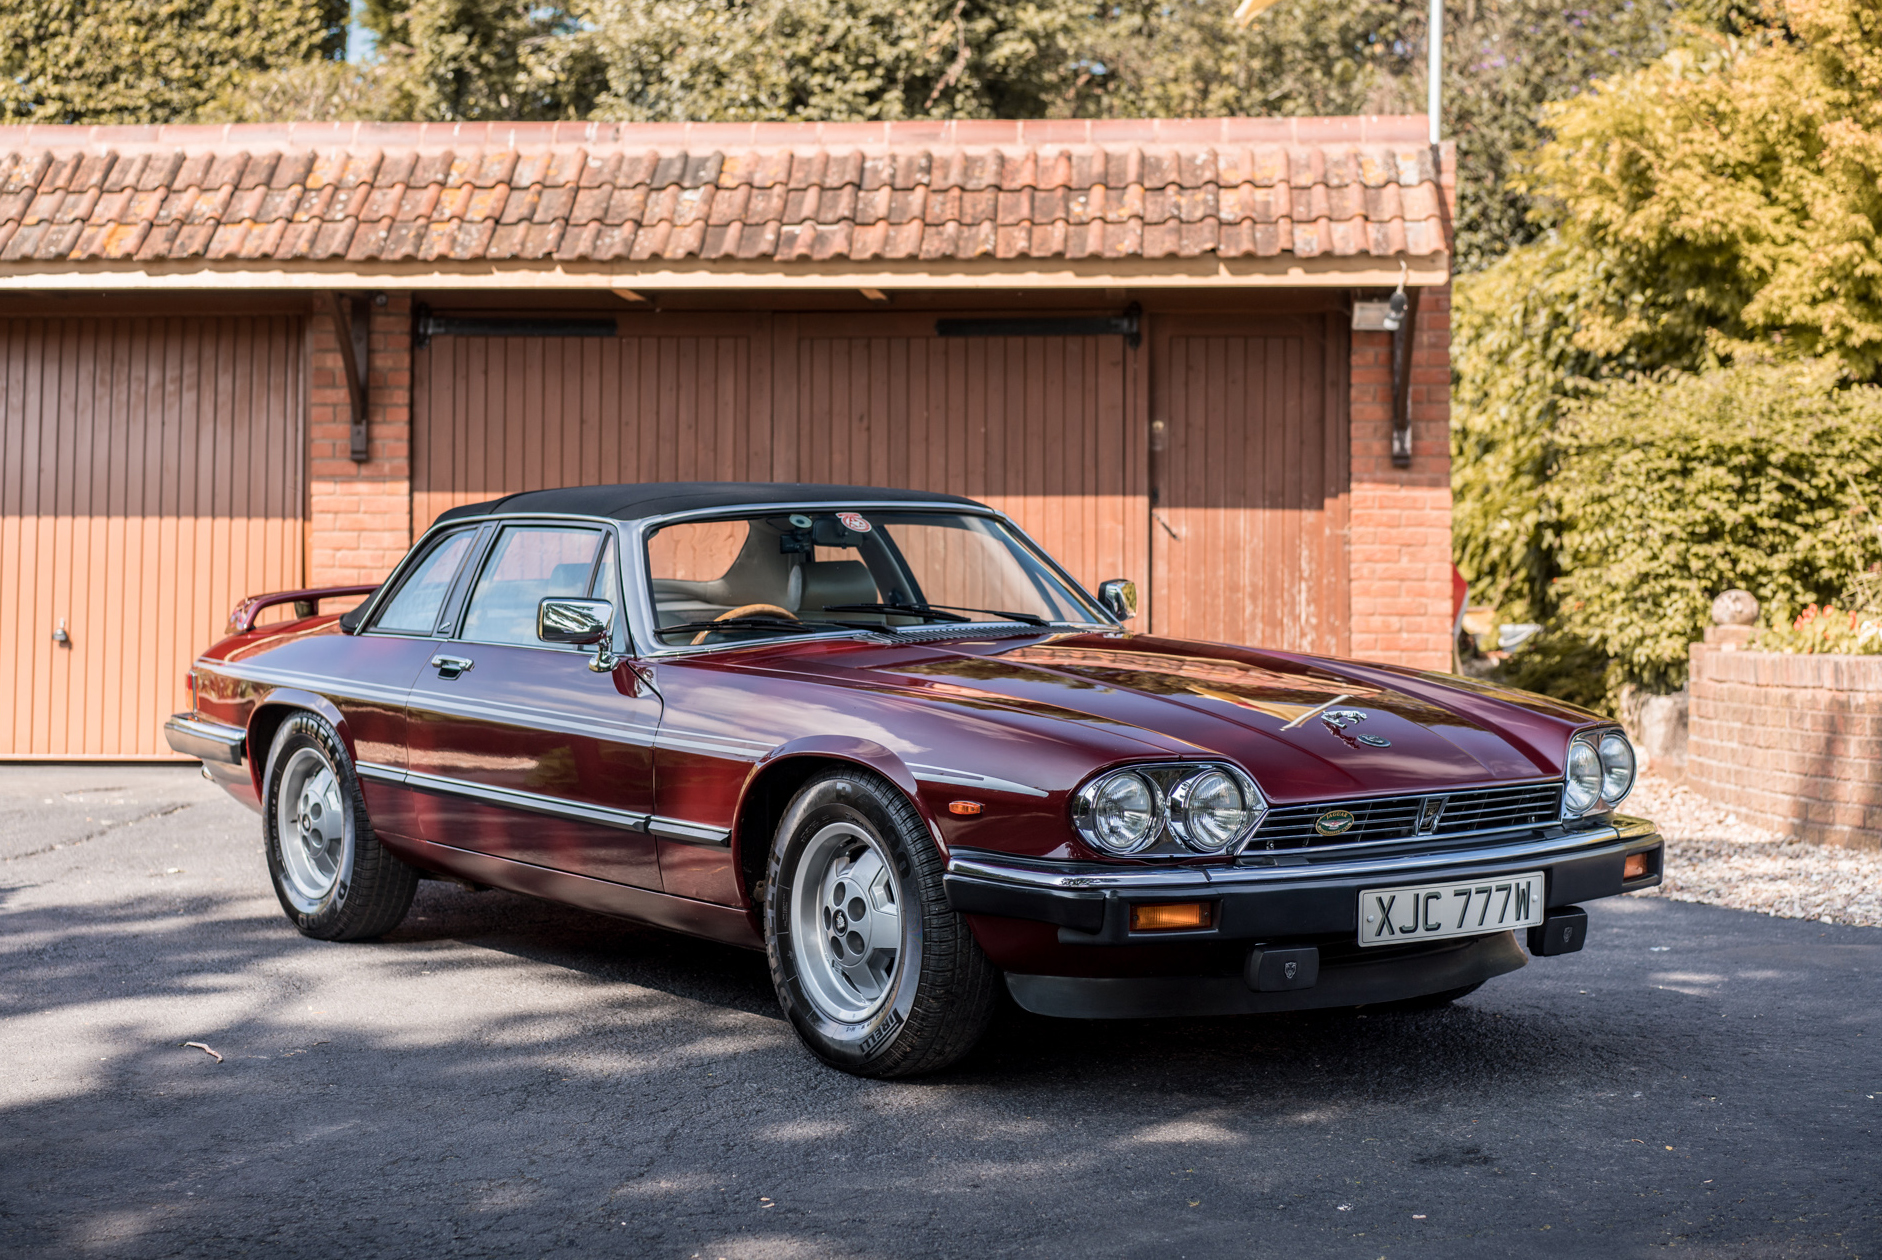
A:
x: 359, y: 516
x: 1792, y: 744
x: 1400, y: 549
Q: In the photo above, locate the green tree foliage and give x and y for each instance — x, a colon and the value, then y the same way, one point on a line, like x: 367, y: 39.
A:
x: 742, y: 60
x: 124, y: 61
x: 1734, y: 192
x: 1505, y: 62
x: 745, y: 60
x: 1718, y: 206
x: 1763, y: 476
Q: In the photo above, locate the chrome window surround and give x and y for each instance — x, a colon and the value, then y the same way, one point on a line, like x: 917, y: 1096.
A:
x: 636, y: 596
x: 641, y: 588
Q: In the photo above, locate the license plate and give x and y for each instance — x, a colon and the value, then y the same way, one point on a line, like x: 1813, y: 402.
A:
x: 1429, y: 912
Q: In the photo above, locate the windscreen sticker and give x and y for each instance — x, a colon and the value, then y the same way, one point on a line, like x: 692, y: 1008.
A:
x: 853, y: 522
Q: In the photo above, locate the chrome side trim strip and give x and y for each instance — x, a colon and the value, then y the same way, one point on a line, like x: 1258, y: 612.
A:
x: 689, y: 832
x: 535, y: 803
x: 378, y: 773
x: 1623, y: 831
x: 422, y: 699
x: 966, y: 778
x: 718, y: 745
x: 626, y: 820
x: 350, y: 688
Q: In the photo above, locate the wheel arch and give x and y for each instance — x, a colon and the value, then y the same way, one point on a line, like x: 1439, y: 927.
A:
x: 271, y: 712
x: 778, y: 777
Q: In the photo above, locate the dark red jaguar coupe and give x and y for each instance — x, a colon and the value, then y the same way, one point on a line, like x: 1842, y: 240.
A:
x: 884, y: 737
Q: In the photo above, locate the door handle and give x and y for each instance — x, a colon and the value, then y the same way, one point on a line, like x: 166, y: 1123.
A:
x: 451, y: 666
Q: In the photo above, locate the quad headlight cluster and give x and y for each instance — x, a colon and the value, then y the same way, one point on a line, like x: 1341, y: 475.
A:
x: 1176, y: 807
x: 1600, y: 772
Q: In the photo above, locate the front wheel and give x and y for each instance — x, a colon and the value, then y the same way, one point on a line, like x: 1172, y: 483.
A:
x: 331, y: 874
x: 874, y: 969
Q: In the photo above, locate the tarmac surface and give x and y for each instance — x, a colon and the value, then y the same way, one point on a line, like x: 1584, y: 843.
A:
x: 502, y: 1077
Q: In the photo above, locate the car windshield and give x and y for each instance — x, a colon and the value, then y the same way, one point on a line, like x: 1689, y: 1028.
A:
x: 742, y: 577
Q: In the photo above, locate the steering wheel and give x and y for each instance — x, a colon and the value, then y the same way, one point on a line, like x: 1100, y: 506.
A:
x: 746, y: 610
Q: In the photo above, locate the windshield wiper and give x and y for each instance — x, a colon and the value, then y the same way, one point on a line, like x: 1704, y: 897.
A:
x: 765, y: 623
x: 904, y: 610
x: 1025, y: 619
x: 934, y: 612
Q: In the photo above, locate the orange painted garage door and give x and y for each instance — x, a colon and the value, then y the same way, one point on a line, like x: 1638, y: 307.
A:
x: 150, y: 476
x: 1040, y: 427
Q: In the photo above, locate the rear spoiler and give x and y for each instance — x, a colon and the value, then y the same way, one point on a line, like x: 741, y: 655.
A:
x: 306, y: 604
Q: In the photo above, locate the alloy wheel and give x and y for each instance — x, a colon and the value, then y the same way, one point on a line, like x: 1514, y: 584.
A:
x: 846, y: 923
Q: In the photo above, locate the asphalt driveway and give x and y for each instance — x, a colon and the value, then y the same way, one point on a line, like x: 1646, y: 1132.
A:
x: 506, y: 1078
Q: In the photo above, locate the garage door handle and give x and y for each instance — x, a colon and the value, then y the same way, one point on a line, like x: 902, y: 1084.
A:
x: 451, y: 666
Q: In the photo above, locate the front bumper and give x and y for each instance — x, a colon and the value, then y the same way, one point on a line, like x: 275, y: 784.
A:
x: 1302, y: 895
x: 1412, y: 972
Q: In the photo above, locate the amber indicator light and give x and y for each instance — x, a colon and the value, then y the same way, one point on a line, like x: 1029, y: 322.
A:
x: 1171, y: 917
x: 966, y: 809
x: 1636, y: 866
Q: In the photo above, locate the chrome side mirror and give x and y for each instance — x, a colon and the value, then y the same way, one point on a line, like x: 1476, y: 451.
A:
x: 579, y: 623
x: 1119, y: 596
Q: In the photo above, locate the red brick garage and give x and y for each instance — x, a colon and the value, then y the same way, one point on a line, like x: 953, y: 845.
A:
x: 1135, y: 337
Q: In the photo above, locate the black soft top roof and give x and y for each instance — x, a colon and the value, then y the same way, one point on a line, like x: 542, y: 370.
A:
x: 658, y: 498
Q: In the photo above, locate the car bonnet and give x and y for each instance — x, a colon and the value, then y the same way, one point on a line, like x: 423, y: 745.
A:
x: 1306, y: 728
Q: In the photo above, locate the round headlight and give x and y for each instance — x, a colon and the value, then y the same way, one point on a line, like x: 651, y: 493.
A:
x: 1120, y: 813
x: 1209, y: 810
x: 1617, y: 767
x: 1584, y: 778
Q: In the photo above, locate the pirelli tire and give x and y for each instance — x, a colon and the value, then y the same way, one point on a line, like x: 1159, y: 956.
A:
x: 332, y: 876
x: 877, y: 973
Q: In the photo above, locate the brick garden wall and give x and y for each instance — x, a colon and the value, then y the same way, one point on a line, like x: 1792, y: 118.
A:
x: 1401, y: 517
x: 1791, y: 743
x: 359, y: 516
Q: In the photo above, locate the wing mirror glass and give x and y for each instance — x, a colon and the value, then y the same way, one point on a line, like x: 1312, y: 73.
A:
x: 1119, y: 596
x: 579, y: 623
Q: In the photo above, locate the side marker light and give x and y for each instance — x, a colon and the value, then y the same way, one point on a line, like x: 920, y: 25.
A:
x: 1171, y: 916
x: 966, y: 809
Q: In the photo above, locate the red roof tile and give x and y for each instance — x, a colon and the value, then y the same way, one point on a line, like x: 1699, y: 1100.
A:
x: 389, y: 192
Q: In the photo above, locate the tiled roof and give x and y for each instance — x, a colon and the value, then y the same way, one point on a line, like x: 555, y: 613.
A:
x: 598, y: 192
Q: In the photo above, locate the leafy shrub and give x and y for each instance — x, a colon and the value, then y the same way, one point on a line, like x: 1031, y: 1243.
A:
x: 1671, y: 490
x: 1560, y: 666
x: 1854, y: 629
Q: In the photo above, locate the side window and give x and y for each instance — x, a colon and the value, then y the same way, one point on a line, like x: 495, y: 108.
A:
x: 414, y: 609
x: 530, y: 563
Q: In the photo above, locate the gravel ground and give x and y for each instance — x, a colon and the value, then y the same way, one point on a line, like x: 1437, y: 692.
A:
x: 1714, y: 858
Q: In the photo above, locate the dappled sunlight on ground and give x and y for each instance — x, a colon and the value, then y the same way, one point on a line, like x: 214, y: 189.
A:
x: 505, y: 1077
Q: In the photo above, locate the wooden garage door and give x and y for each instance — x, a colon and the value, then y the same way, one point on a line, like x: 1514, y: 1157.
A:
x: 150, y: 476
x: 1039, y: 427
x: 1250, y: 465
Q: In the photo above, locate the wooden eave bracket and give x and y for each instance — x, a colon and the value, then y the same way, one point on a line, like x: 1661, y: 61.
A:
x: 352, y: 328
x: 1402, y: 339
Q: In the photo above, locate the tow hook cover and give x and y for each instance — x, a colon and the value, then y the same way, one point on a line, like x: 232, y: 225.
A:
x: 1277, y: 970
x: 1561, y: 932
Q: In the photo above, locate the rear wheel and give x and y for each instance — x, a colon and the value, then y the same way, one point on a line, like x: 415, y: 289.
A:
x: 330, y: 873
x: 877, y: 973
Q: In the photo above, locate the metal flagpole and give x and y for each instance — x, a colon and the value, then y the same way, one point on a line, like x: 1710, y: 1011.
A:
x: 1434, y: 66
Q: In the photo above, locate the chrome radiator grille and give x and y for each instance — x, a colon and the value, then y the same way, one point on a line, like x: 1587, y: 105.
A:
x: 1378, y: 818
